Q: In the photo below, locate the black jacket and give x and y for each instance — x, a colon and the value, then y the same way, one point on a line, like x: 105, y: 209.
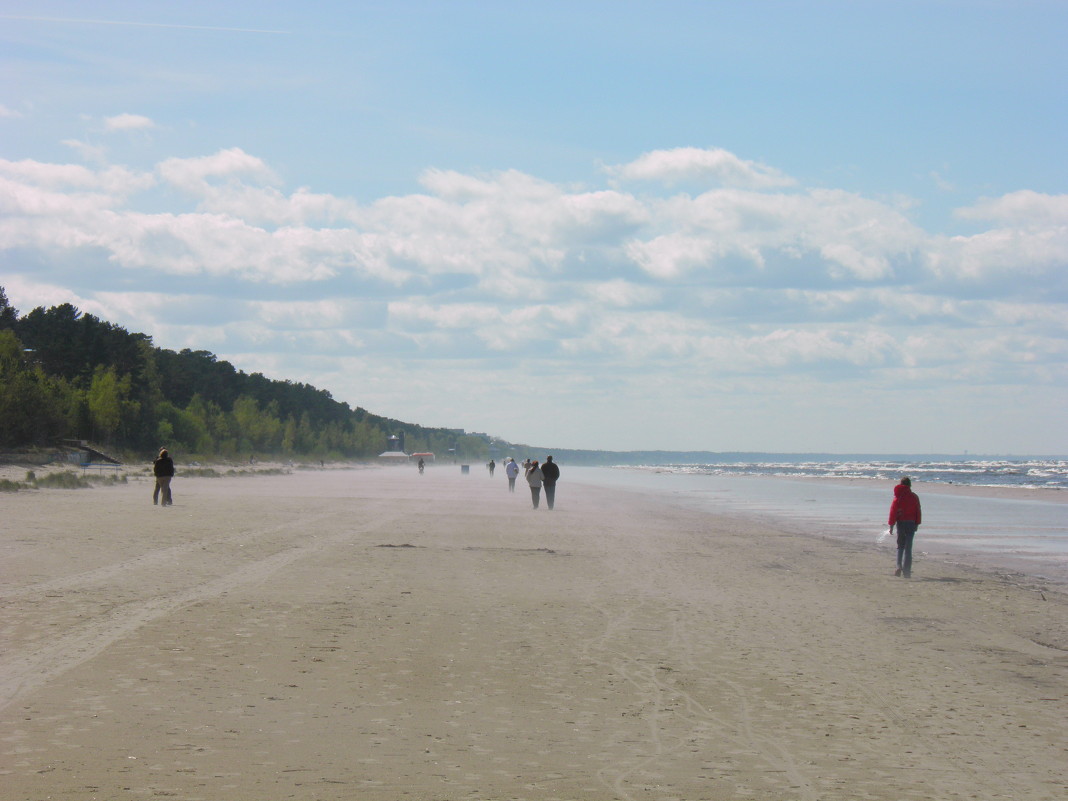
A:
x: 550, y: 472
x: 163, y: 466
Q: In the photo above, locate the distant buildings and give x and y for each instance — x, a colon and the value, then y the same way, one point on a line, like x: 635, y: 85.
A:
x: 394, y: 451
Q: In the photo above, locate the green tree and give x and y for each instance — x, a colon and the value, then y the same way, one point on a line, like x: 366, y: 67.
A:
x: 34, y: 407
x: 9, y: 315
x: 105, y: 397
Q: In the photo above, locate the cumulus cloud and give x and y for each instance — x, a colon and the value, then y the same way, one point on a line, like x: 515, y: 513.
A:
x: 685, y: 164
x: 505, y: 234
x: 849, y: 236
x: 750, y: 280
x: 116, y: 181
x: 87, y: 151
x: 1023, y: 208
x: 196, y: 175
x: 128, y: 122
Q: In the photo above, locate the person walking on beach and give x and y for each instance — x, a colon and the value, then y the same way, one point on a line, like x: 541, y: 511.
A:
x: 550, y: 473
x: 511, y: 470
x: 163, y: 470
x: 491, y: 466
x: 534, y: 480
x: 905, y: 514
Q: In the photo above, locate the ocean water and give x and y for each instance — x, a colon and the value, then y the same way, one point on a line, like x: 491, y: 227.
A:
x: 1020, y: 535
x: 1025, y: 473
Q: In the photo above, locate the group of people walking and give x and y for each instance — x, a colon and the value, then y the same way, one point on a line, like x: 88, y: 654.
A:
x: 905, y: 514
x: 538, y: 476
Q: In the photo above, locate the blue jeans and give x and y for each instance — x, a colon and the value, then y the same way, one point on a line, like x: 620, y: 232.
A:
x: 906, y: 532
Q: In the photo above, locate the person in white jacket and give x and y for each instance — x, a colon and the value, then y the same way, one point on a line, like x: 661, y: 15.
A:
x: 534, y: 479
x: 511, y: 470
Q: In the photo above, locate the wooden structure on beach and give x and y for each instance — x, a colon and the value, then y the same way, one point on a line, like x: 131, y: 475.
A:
x: 84, y: 454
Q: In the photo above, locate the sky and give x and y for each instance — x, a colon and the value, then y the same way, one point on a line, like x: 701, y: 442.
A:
x: 793, y: 226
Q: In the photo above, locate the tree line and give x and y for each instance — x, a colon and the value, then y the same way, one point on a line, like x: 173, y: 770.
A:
x: 65, y: 374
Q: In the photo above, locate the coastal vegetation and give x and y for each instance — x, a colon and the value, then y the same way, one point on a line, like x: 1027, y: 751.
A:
x: 68, y: 375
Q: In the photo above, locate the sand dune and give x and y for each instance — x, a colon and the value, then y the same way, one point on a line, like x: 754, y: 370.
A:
x: 376, y: 634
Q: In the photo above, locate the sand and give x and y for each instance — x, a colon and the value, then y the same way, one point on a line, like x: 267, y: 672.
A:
x: 376, y: 634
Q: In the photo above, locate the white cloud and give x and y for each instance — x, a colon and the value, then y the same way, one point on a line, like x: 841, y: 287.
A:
x: 118, y: 182
x: 1031, y: 240
x: 88, y: 152
x: 9, y: 113
x: 194, y: 175
x: 587, y: 287
x: 1023, y: 209
x: 696, y: 164
x: 852, y: 237
x: 507, y: 234
x: 128, y: 122
x: 622, y: 294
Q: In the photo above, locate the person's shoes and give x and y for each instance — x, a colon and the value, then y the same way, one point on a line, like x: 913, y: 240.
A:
x: 897, y: 572
x: 908, y: 575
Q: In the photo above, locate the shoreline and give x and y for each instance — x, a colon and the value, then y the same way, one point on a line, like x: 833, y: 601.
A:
x: 852, y: 510
x: 15, y: 470
x: 1000, y: 491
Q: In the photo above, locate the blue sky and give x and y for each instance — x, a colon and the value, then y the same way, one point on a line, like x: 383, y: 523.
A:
x: 766, y: 226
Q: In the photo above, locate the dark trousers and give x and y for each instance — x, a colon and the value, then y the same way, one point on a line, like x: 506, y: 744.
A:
x: 550, y: 494
x: 906, y: 532
x: 535, y: 495
x: 511, y: 483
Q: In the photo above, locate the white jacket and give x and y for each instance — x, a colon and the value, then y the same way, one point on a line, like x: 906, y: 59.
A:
x: 534, y: 477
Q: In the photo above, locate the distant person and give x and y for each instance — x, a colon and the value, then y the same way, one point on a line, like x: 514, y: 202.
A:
x: 492, y: 466
x: 511, y: 469
x: 550, y: 473
x: 163, y: 470
x: 905, y: 514
x: 422, y: 464
x: 534, y: 481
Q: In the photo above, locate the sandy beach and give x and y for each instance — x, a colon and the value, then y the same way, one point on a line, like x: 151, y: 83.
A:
x: 376, y: 634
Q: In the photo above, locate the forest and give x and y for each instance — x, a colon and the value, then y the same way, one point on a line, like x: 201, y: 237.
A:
x: 68, y: 375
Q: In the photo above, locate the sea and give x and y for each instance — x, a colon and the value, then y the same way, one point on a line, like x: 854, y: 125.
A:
x: 849, y: 498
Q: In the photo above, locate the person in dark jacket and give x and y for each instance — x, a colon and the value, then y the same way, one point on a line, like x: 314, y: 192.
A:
x: 550, y: 473
x: 905, y: 514
x: 163, y: 469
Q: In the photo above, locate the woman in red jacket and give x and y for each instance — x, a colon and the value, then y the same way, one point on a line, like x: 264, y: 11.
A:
x: 905, y: 514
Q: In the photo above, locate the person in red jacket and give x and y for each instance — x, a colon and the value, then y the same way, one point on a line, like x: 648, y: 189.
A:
x: 905, y: 514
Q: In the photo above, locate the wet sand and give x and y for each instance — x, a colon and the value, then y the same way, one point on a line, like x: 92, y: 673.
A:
x: 376, y: 634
